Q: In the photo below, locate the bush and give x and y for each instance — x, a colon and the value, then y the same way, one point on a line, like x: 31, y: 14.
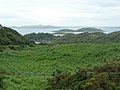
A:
x: 12, y: 47
x: 98, y: 82
x: 1, y: 81
x: 106, y: 77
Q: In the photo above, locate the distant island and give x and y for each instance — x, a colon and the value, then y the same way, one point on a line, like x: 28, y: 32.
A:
x: 89, y: 30
x: 36, y: 26
x: 61, y: 30
x: 64, y: 30
x: 79, y: 30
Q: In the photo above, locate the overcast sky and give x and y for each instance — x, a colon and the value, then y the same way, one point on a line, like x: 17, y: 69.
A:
x: 60, y: 12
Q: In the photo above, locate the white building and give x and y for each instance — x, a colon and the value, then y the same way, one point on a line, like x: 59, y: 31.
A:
x: 38, y: 42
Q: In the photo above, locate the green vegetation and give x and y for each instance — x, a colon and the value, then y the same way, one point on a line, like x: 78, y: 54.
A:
x: 53, y: 67
x: 30, y: 68
x: 9, y: 36
x: 106, y: 77
x: 114, y: 36
x: 95, y: 37
x: 40, y: 37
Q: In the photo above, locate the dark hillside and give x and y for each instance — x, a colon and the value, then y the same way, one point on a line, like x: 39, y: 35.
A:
x: 39, y: 36
x: 114, y: 36
x: 9, y: 36
x: 86, y: 37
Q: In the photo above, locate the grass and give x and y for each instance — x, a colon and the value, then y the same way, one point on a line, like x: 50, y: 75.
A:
x: 30, y: 68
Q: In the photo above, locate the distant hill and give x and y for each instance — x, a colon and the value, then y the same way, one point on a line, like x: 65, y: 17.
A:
x: 35, y: 26
x: 95, y: 37
x: 89, y: 30
x: 79, y: 30
x: 9, y: 36
x: 64, y: 30
x: 86, y: 37
x: 52, y: 29
x: 114, y: 36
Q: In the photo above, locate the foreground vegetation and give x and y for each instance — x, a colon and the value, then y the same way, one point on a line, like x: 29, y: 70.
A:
x: 32, y: 67
x: 105, y: 77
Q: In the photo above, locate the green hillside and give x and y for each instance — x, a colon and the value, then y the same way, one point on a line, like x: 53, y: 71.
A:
x: 30, y: 68
x: 86, y: 37
x: 95, y: 37
x: 39, y: 36
x: 114, y: 36
x: 9, y: 36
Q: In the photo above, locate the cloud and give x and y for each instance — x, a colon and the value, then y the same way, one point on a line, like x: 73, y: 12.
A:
x: 107, y: 3
x: 7, y: 15
x: 58, y: 12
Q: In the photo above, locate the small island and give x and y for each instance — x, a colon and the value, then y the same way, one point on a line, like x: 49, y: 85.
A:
x: 89, y: 30
x: 63, y: 31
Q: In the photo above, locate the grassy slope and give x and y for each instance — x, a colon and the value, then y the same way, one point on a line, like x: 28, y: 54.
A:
x: 9, y: 36
x: 30, y: 68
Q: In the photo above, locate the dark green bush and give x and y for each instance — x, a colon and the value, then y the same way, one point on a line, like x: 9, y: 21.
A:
x: 1, y: 81
x: 106, y: 77
x: 12, y: 47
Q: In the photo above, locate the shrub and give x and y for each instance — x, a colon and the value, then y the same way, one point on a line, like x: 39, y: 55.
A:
x: 105, y: 77
x: 1, y: 81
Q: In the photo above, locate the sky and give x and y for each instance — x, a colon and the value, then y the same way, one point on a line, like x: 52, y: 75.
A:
x: 60, y: 12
